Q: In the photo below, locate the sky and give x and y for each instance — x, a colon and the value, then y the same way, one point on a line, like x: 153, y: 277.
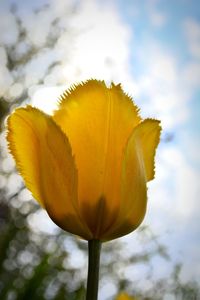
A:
x: 152, y: 47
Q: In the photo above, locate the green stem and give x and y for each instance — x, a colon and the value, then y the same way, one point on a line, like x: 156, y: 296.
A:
x: 94, y: 247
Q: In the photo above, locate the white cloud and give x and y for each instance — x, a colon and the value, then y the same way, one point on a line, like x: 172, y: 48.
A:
x: 161, y: 86
x: 15, y: 90
x: 173, y: 208
x: 57, y: 11
x: 37, y: 68
x: 174, y: 192
x: 186, y: 183
x: 192, y: 32
x: 101, y: 48
x: 46, y: 98
x: 191, y: 74
x: 191, y: 146
x: 37, y: 35
x: 157, y: 18
x: 9, y: 31
x: 92, y: 42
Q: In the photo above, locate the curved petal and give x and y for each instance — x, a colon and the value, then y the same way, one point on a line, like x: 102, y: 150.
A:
x: 98, y: 121
x: 148, y: 134
x: 133, y: 191
x: 137, y: 169
x: 43, y: 156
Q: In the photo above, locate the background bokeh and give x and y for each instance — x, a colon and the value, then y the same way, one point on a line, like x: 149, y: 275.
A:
x: 152, y: 47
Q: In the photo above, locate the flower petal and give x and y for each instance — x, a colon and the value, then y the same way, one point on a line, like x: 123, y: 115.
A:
x: 43, y: 156
x: 98, y: 121
x: 148, y: 134
x: 133, y: 191
x: 137, y: 169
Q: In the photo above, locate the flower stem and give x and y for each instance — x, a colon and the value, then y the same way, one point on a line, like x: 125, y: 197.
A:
x: 94, y: 247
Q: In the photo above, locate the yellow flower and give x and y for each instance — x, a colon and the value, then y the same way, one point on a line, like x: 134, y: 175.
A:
x: 89, y: 163
x: 124, y: 296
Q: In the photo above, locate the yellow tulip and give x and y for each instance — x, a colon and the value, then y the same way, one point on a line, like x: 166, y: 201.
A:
x: 89, y: 163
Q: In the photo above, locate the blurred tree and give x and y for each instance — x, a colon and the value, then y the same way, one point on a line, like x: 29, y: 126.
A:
x: 36, y: 264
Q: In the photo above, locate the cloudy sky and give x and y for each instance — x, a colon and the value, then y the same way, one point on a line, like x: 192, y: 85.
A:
x: 153, y: 48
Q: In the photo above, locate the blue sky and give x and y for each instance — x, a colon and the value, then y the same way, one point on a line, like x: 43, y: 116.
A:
x: 153, y: 48
x: 168, y: 32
